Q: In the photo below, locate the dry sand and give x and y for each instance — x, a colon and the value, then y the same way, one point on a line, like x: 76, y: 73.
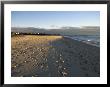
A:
x: 53, y: 56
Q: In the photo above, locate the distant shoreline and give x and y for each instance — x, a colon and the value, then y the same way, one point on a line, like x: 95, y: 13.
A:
x: 85, y: 42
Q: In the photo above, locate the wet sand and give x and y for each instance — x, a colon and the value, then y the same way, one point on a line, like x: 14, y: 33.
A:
x: 53, y: 56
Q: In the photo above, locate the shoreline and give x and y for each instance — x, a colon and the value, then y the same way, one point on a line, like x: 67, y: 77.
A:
x: 82, y: 41
x: 53, y: 56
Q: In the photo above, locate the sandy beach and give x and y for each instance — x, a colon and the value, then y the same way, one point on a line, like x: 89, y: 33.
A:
x: 53, y: 56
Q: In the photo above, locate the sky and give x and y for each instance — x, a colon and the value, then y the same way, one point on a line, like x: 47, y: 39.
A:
x: 54, y: 19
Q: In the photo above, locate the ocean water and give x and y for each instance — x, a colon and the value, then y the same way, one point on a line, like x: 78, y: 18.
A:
x: 88, y: 39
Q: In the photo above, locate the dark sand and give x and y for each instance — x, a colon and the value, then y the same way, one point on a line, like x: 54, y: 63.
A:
x: 53, y: 56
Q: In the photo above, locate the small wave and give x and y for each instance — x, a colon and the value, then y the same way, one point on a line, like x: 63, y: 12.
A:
x: 92, y: 40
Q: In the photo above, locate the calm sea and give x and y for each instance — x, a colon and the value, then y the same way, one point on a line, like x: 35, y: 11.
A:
x: 88, y: 39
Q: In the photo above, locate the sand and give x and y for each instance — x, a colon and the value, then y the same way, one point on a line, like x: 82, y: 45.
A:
x: 53, y: 56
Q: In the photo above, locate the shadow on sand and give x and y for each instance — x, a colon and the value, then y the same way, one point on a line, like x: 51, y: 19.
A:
x: 71, y: 58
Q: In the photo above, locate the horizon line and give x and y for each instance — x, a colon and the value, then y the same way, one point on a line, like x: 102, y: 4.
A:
x: 55, y: 27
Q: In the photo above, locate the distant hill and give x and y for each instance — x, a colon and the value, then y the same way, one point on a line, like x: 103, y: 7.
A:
x: 27, y: 30
x: 85, y: 30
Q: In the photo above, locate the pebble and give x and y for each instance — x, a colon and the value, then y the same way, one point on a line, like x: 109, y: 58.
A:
x: 63, y: 61
x: 60, y: 67
x: 56, y: 61
x: 47, y: 66
x: 41, y: 66
x: 15, y: 66
x: 60, y: 58
x: 45, y: 59
x: 64, y: 73
x: 64, y: 68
